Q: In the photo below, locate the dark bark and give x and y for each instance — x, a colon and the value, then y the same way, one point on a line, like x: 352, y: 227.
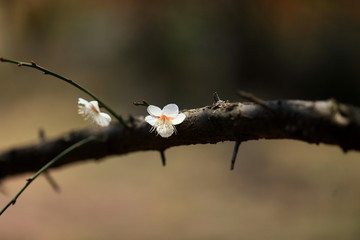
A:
x: 326, y: 122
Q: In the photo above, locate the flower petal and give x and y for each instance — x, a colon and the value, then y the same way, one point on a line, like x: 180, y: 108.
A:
x: 82, y: 110
x: 103, y: 119
x: 82, y: 101
x: 151, y: 120
x: 179, y: 119
x: 90, y: 111
x: 154, y: 110
x: 171, y: 110
x: 165, y: 130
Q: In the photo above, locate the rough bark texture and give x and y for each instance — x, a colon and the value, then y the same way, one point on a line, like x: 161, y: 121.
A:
x: 327, y: 122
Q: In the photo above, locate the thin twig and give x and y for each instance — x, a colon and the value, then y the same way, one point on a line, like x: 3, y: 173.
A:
x: 45, y: 167
x: 32, y: 64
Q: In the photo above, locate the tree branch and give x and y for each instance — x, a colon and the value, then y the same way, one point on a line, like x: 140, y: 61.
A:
x: 328, y: 122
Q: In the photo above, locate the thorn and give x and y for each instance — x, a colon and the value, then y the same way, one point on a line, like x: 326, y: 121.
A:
x: 235, y: 152
x: 163, y: 159
x: 3, y: 189
x: 131, y: 119
x: 42, y: 135
x: 217, y: 98
x: 142, y: 103
x: 54, y: 185
x: 344, y: 149
x: 2, y: 59
x: 33, y: 63
x: 251, y: 97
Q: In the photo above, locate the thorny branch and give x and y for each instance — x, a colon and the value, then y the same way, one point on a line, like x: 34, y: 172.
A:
x: 328, y: 122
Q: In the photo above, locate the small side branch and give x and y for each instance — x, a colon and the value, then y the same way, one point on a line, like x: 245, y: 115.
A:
x: 46, y: 167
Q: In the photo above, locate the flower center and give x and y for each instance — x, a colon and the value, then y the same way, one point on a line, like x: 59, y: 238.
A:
x: 92, y: 108
x: 164, y: 117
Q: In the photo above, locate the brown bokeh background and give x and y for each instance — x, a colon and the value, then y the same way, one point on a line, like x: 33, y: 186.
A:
x: 181, y: 51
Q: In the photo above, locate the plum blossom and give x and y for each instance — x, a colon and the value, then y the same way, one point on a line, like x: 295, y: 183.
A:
x: 164, y: 120
x: 91, y: 111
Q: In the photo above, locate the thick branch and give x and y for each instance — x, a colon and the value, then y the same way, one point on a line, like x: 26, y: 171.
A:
x: 327, y: 122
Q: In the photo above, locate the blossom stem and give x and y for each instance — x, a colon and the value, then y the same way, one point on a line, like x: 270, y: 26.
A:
x: 46, y: 166
x: 32, y: 64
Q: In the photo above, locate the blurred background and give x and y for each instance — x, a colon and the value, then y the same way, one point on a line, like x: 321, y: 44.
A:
x: 181, y: 52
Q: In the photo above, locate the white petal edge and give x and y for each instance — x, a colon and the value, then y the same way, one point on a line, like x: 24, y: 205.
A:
x: 166, y: 134
x: 165, y: 131
x: 179, y: 119
x: 82, y: 101
x: 171, y: 110
x: 103, y: 119
x: 154, y: 110
x: 151, y: 120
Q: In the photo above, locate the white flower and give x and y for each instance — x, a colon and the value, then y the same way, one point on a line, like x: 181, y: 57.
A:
x: 163, y: 121
x: 90, y: 110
